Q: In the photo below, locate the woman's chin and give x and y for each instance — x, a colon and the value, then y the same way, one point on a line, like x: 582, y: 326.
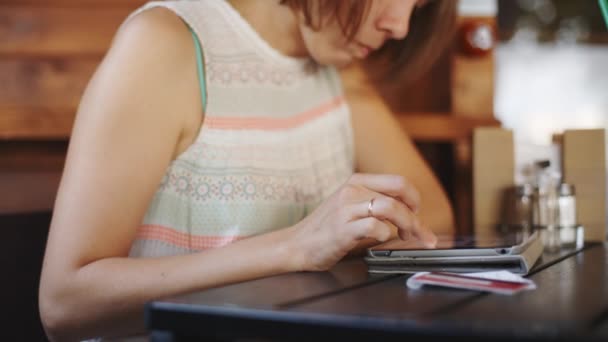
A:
x: 337, y: 60
x: 343, y: 63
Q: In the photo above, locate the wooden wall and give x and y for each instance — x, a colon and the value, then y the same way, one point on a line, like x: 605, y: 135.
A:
x: 48, y: 51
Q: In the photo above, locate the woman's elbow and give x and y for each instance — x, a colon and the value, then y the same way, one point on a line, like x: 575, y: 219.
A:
x: 57, y: 316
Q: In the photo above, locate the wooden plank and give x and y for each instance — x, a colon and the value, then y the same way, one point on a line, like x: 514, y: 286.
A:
x: 441, y: 127
x: 358, y: 319
x: 27, y: 156
x: 75, y: 3
x: 52, y: 31
x: 345, y: 304
x: 570, y: 297
x: 48, y: 83
x: 55, y: 120
x: 271, y: 292
x: 24, y: 192
x: 35, y: 123
x: 392, y: 299
x: 29, y: 175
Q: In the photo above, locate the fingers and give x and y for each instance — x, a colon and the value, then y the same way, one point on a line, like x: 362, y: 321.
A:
x: 389, y: 209
x: 395, y: 200
x: 404, y: 234
x: 428, y: 238
x: 390, y: 185
x: 370, y: 227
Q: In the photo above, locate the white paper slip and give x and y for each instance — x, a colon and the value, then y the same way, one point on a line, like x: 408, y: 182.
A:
x: 501, y: 282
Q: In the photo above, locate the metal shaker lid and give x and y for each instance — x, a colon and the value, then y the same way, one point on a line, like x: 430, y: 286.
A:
x: 524, y: 190
x: 566, y: 189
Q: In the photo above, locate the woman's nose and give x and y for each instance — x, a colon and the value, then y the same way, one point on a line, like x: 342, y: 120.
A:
x: 396, y: 28
x: 395, y: 18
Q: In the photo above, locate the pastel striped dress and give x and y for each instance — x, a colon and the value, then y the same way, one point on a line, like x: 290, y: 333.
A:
x: 276, y: 140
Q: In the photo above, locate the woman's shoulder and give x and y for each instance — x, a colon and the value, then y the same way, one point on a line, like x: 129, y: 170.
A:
x: 152, y: 61
x: 153, y: 44
x: 155, y: 28
x: 171, y: 17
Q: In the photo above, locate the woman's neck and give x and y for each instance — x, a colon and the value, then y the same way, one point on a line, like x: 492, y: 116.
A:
x: 277, y: 24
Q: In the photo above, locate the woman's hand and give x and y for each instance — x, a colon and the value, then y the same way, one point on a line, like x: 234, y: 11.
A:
x: 338, y: 224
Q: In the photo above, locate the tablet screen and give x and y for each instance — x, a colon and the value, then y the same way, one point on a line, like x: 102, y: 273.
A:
x: 455, y: 242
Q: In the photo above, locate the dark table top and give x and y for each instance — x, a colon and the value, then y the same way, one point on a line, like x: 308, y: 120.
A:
x: 570, y: 302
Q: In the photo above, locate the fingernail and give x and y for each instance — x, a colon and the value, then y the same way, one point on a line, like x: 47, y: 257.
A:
x: 431, y: 240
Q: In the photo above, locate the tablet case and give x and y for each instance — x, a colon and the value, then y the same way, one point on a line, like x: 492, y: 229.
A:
x: 520, y: 264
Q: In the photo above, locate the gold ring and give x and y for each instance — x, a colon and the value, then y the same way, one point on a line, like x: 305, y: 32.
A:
x: 370, y: 208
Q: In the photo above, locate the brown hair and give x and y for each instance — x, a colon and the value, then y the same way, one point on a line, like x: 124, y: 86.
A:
x: 431, y: 30
x: 348, y: 13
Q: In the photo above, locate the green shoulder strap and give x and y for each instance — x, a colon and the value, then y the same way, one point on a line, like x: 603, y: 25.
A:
x: 200, y: 66
x: 604, y: 7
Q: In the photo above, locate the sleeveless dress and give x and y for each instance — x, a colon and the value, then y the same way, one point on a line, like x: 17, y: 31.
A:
x: 276, y: 140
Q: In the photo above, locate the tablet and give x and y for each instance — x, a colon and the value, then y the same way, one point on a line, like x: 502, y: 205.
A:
x: 471, y: 253
x: 455, y: 245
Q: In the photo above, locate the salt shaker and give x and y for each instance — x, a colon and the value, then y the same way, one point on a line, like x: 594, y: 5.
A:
x: 567, y: 221
x: 552, y: 239
x: 545, y: 213
x: 522, y: 206
x: 539, y: 208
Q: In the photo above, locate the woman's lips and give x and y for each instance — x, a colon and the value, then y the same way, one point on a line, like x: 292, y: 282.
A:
x: 363, y: 50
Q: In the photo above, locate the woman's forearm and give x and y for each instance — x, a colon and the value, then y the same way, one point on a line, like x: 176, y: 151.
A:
x: 385, y: 148
x: 106, y: 297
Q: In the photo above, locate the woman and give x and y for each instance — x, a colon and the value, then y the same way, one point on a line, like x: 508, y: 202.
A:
x: 236, y: 108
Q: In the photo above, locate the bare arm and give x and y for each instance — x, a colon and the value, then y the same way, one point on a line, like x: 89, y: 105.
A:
x: 383, y: 147
x: 136, y: 115
x: 130, y: 124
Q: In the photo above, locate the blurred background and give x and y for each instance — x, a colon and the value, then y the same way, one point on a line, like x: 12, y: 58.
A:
x: 552, y: 67
x: 534, y: 66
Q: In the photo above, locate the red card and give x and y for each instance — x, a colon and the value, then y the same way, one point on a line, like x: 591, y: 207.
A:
x: 468, y: 282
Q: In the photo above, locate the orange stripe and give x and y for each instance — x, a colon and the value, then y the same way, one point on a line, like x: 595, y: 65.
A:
x: 179, y: 239
x: 266, y: 123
